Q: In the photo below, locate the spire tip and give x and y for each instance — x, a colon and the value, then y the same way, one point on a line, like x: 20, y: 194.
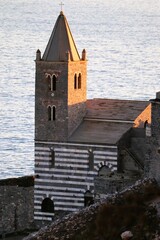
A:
x: 61, y: 4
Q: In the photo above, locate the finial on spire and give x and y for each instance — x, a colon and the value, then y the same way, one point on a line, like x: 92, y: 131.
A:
x: 61, y: 4
x: 38, y: 55
x: 84, y: 55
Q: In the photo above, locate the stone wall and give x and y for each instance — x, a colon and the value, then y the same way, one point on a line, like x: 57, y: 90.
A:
x: 16, y: 204
x: 76, y: 97
x: 116, y: 182
x: 66, y: 178
x: 69, y: 102
x: 44, y: 97
x: 152, y: 162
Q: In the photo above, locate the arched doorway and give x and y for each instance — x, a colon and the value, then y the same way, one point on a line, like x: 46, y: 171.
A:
x: 47, y: 205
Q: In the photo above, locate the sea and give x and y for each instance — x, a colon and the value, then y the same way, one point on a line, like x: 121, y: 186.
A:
x: 122, y: 40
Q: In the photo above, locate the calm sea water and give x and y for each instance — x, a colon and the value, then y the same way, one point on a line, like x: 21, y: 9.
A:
x: 122, y: 39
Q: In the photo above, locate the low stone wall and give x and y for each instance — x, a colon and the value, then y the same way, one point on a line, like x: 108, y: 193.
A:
x: 16, y: 204
x: 116, y: 182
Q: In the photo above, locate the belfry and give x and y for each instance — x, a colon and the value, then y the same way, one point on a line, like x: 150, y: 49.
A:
x: 60, y: 85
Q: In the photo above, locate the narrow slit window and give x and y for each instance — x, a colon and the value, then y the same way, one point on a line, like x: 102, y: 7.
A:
x: 49, y: 80
x: 91, y: 159
x: 75, y: 81
x: 52, y: 158
x: 53, y: 113
x: 54, y: 79
x: 49, y: 113
x: 79, y: 81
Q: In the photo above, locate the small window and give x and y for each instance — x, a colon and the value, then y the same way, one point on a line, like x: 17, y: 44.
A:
x: 79, y: 81
x: 49, y: 81
x: 51, y: 113
x: 145, y: 124
x: 53, y: 83
x: 147, y: 128
x: 75, y: 81
x: 47, y: 205
x: 91, y: 159
x: 52, y: 157
x: 88, y: 199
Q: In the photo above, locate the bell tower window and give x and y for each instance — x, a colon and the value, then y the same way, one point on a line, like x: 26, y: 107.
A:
x: 53, y: 83
x: 48, y: 76
x: 79, y: 81
x: 51, y: 79
x: 75, y: 81
x: 51, y: 113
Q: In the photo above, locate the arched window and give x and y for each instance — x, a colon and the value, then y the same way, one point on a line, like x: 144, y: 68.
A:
x: 53, y: 83
x: 88, y: 199
x: 145, y: 124
x: 51, y: 113
x: 47, y: 205
x: 147, y: 128
x: 75, y: 81
x: 79, y: 81
x: 49, y: 81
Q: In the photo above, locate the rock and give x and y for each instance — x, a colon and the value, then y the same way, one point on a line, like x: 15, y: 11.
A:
x: 126, y: 235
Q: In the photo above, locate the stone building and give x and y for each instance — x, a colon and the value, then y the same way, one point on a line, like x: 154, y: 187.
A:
x: 84, y: 148
x: 152, y: 160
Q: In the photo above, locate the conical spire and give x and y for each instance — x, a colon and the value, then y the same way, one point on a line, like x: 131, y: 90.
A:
x: 61, y: 42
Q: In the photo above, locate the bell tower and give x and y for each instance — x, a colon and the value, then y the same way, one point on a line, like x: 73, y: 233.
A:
x: 60, y: 89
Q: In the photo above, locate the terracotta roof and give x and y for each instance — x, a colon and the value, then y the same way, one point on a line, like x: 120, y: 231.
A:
x: 126, y: 110
x: 60, y: 42
x: 107, y: 120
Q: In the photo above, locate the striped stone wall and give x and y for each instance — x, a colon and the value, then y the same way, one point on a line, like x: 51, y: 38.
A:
x: 65, y: 176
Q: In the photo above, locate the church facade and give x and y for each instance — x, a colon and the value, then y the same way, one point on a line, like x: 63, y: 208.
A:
x: 84, y: 148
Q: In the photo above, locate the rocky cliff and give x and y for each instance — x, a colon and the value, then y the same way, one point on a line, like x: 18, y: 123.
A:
x: 135, y: 209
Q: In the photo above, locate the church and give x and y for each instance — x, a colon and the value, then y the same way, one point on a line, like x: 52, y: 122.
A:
x: 84, y: 148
